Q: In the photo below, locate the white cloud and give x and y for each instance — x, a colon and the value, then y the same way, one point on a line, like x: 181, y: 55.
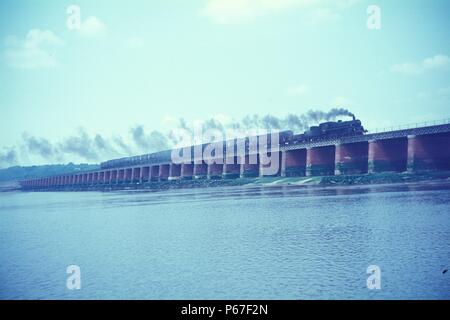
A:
x: 298, y: 90
x: 92, y: 27
x: 438, y: 62
x: 37, y: 50
x: 229, y: 11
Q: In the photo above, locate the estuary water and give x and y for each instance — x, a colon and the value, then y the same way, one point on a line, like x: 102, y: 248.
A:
x: 247, y: 242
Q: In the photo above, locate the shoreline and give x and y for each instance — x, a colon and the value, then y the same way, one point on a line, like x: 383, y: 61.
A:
x: 322, y: 181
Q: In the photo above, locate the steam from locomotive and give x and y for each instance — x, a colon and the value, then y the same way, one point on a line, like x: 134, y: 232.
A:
x: 325, y: 130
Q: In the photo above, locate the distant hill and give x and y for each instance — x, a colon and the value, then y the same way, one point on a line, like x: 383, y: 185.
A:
x: 19, y: 173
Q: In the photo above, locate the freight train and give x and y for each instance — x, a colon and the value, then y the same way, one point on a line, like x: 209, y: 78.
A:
x: 326, y: 130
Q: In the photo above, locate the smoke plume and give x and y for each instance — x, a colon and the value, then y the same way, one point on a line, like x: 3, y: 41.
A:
x: 83, y: 146
x: 8, y: 158
x: 39, y: 146
x: 155, y: 140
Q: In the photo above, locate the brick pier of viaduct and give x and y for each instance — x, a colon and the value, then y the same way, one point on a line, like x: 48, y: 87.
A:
x: 410, y: 150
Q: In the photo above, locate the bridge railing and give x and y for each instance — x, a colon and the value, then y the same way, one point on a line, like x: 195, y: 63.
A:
x: 410, y: 126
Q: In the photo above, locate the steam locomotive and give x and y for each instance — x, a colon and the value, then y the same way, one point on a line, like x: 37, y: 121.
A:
x: 324, y: 130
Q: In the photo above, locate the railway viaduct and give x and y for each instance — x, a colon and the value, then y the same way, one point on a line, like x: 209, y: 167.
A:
x: 417, y: 149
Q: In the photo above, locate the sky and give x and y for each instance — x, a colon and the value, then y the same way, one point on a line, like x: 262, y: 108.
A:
x: 131, y: 71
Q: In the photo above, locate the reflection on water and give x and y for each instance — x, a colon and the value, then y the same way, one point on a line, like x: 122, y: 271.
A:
x: 260, y: 242
x: 212, y: 194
